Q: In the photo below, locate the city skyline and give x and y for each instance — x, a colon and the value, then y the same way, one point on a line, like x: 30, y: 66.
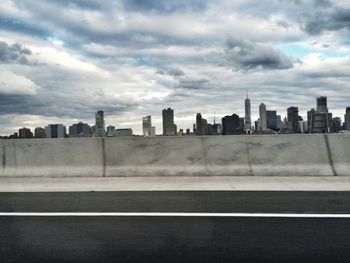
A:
x: 61, y: 61
x: 319, y: 120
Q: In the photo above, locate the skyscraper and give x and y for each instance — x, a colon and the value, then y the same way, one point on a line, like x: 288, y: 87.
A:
x: 100, y: 124
x: 320, y: 121
x: 147, y: 126
x: 263, y: 117
x: 347, y: 118
x: 293, y: 119
x: 321, y: 104
x: 199, y: 124
x: 169, y: 127
x: 247, y: 116
x: 231, y: 125
x: 271, y: 117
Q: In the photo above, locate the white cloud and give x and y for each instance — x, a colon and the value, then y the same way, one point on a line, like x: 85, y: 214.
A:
x: 13, y: 84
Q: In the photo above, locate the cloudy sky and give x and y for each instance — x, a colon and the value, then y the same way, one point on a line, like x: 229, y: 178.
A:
x: 62, y: 60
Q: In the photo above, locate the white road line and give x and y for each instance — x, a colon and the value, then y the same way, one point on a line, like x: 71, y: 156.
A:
x: 117, y: 214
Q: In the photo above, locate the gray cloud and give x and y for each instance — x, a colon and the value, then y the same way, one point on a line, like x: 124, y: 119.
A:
x: 14, y: 53
x: 247, y: 55
x: 174, y: 72
x: 333, y: 21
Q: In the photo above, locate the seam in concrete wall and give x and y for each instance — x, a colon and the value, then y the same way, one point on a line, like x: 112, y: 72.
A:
x: 205, y: 155
x: 3, y: 157
x: 251, y: 173
x: 329, y: 153
x: 104, y: 157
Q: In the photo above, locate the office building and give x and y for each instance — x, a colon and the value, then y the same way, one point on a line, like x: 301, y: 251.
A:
x: 347, y: 119
x: 337, y: 125
x: 271, y: 117
x: 80, y: 129
x: 147, y: 126
x: 25, y: 133
x: 247, y: 116
x: 123, y: 133
x: 110, y: 131
x: 293, y: 119
x: 169, y: 127
x: 199, y: 124
x: 262, y: 117
x: 231, y: 125
x: 39, y: 132
x: 55, y: 131
x: 320, y: 120
x: 99, y: 124
x: 321, y: 103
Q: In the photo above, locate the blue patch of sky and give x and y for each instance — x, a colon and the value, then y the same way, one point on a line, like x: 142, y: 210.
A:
x: 294, y: 50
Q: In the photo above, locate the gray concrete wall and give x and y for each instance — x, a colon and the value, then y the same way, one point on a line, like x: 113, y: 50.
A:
x: 267, y: 155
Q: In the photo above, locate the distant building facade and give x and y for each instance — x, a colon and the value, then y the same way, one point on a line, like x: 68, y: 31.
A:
x: 347, y: 119
x: 271, y: 117
x: 25, y: 133
x: 110, y: 131
x: 262, y: 117
x: 55, y: 131
x: 80, y: 129
x: 39, y: 132
x: 169, y: 127
x: 293, y: 120
x: 99, y: 124
x: 147, y: 126
x: 247, y: 116
x: 231, y: 125
x: 123, y: 133
x: 320, y: 120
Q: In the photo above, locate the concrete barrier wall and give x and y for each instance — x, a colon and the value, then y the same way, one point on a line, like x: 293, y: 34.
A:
x: 267, y: 155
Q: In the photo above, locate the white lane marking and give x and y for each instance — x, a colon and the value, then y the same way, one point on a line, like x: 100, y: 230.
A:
x: 141, y: 214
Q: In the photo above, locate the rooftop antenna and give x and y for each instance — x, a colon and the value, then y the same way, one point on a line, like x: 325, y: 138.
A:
x: 247, y: 93
x: 214, y: 118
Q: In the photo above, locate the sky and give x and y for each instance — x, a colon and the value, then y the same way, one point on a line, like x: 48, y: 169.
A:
x: 62, y: 60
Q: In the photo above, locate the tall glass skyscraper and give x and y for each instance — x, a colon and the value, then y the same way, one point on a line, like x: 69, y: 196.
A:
x: 247, y: 117
x: 169, y: 127
x: 147, y: 126
x: 100, y: 124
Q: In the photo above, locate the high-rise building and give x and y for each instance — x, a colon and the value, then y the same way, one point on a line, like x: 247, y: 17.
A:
x: 147, y: 126
x: 321, y: 104
x: 99, y: 124
x: 231, y: 125
x: 262, y: 116
x: 293, y: 119
x: 25, y: 133
x: 199, y: 124
x: 271, y: 117
x: 39, y: 132
x: 247, y: 116
x: 169, y: 127
x: 55, y: 131
x: 80, y: 129
x: 320, y: 121
x: 347, y: 118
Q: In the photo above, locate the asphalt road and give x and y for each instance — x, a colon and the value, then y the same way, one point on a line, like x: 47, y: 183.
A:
x: 175, y: 239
